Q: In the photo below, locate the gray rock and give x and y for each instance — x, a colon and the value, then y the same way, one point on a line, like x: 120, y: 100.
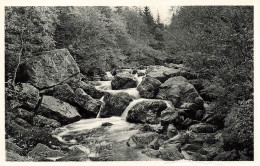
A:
x: 171, y: 115
x: 28, y: 95
x: 179, y: 91
x: 56, y: 109
x: 203, y: 128
x: 49, y: 69
x: 115, y: 104
x: 171, y: 154
x: 123, y: 81
x: 41, y: 150
x: 146, y: 112
x: 64, y: 92
x: 91, y: 106
x: 171, y: 131
x: 42, y: 121
x: 149, y: 87
x: 142, y: 140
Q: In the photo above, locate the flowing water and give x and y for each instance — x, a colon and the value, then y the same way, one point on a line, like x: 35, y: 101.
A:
x: 81, y: 133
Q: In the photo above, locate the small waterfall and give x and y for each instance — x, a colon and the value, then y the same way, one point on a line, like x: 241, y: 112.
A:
x: 134, y: 102
x: 109, y: 75
x: 102, y: 100
x: 104, y: 85
x: 131, y: 104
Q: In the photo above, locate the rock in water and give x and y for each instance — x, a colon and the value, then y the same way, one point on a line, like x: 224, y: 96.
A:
x: 115, y: 104
x: 142, y: 140
x: 123, y: 81
x: 91, y: 106
x: 56, y: 109
x: 179, y: 91
x: 149, y: 87
x: 146, y: 112
x: 90, y: 90
x: 48, y: 69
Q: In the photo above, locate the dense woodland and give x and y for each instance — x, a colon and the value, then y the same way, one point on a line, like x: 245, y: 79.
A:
x: 215, y: 42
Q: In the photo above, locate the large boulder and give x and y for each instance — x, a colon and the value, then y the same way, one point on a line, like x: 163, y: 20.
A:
x: 90, y: 106
x: 179, y: 91
x: 28, y: 95
x: 149, y: 87
x: 146, y: 112
x: 56, y: 109
x: 123, y: 81
x: 115, y: 104
x: 49, y: 68
x: 64, y: 92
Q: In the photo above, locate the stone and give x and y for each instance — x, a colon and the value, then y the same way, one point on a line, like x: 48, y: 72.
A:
x: 123, y: 81
x: 227, y: 156
x: 142, y: 140
x: 56, y: 109
x: 158, y: 128
x: 41, y: 150
x: 171, y: 115
x: 187, y: 123
x: 191, y: 147
x: 49, y: 68
x: 157, y: 72
x: 115, y: 104
x: 179, y: 91
x: 146, y: 112
x: 64, y: 92
x: 203, y: 128
x: 149, y: 87
x: 91, y: 106
x: 171, y: 131
x: 42, y: 121
x: 90, y: 90
x: 151, y: 152
x: 75, y: 154
x: 13, y: 156
x: 11, y: 146
x: 199, y: 114
x: 171, y: 154
x: 23, y: 114
x: 22, y: 123
x: 28, y: 95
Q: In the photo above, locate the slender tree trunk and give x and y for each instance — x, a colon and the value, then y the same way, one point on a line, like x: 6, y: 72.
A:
x: 19, y: 61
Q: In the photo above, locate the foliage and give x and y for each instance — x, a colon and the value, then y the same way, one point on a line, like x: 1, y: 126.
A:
x: 217, y: 43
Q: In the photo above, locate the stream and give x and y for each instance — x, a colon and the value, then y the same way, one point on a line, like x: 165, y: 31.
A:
x: 105, y: 138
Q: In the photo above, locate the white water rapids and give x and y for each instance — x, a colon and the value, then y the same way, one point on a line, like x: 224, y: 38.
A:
x: 119, y: 131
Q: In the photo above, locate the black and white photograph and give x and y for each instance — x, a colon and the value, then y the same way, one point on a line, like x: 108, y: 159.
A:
x: 129, y: 83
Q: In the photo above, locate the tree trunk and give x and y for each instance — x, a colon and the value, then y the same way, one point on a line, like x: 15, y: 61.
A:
x: 19, y: 61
